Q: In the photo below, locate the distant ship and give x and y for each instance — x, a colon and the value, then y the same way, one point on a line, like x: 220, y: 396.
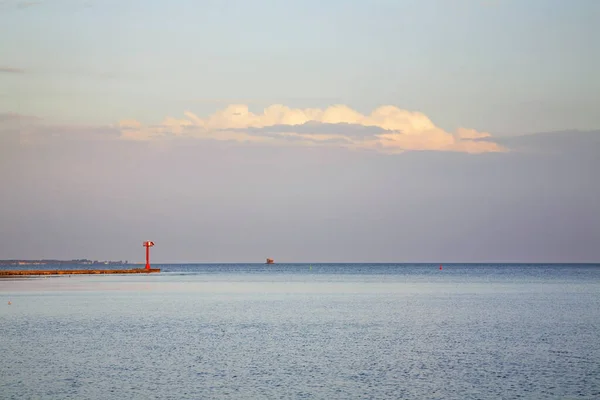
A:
x: 270, y: 261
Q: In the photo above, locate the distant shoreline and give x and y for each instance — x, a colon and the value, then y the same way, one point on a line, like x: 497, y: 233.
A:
x: 32, y: 262
x: 61, y: 262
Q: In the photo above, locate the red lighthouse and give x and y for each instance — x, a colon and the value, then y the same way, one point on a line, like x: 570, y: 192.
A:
x: 147, y: 245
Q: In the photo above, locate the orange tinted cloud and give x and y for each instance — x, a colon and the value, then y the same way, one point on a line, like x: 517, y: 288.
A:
x: 392, y: 129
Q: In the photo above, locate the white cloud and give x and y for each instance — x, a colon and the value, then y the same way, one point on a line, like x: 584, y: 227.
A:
x: 394, y: 129
x: 464, y: 133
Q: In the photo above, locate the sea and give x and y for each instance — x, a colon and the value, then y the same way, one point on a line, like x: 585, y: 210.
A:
x: 305, y: 331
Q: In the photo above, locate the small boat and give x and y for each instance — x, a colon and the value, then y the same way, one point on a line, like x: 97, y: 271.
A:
x: 270, y: 261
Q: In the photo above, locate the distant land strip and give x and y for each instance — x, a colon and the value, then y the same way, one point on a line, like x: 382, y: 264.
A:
x: 82, y: 261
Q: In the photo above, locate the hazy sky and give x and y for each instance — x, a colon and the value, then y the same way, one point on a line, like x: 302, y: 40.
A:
x: 232, y: 131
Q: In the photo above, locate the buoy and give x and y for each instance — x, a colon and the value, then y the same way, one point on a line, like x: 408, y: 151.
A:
x: 9, y: 303
x: 440, y: 267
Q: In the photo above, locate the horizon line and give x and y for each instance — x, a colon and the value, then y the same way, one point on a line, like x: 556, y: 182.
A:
x: 74, y: 261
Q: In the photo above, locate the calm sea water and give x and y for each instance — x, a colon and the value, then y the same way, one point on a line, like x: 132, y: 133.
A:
x: 335, y: 331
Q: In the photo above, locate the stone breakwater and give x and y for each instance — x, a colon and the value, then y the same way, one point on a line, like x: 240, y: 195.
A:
x: 78, y: 271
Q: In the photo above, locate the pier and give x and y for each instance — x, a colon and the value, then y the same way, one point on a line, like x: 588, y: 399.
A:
x: 32, y: 272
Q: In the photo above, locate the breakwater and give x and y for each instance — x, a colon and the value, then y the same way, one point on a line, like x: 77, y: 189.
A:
x: 78, y: 271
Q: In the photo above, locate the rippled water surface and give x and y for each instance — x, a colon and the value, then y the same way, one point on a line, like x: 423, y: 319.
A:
x: 300, y: 331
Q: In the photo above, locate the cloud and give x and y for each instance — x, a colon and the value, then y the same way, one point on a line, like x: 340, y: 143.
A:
x: 471, y: 134
x: 560, y: 142
x: 12, y: 70
x: 386, y: 129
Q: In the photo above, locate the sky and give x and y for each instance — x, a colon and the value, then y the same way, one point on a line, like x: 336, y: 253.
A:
x: 304, y: 131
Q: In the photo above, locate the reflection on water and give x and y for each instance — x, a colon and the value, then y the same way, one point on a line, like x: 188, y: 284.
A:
x: 480, y: 332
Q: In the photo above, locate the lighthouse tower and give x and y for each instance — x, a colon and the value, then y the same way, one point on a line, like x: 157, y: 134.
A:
x: 147, y: 245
